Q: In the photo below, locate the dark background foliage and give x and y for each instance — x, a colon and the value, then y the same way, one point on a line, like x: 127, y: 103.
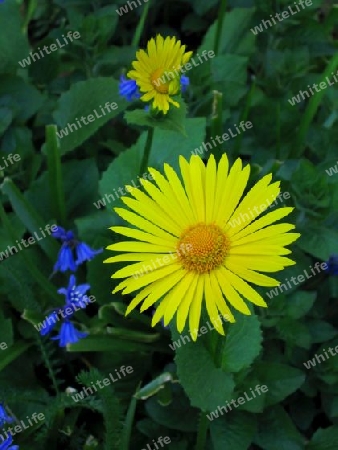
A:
x: 257, y: 75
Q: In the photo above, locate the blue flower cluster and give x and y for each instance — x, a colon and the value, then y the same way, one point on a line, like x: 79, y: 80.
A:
x: 332, y: 263
x: 72, y: 254
x: 130, y: 91
x: 5, y: 418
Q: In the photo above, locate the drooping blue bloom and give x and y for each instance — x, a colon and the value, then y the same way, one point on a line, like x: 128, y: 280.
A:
x: 49, y: 323
x: 4, y: 417
x: 332, y: 263
x: 128, y: 89
x: 69, y: 334
x: 184, y: 83
x: 66, y: 259
x: 85, y: 253
x: 6, y: 445
x: 75, y: 295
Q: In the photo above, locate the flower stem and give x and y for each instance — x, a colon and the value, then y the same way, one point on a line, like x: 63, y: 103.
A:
x: 202, y: 432
x: 140, y: 26
x: 129, y: 423
x: 221, y: 14
x: 244, y: 116
x: 147, y: 149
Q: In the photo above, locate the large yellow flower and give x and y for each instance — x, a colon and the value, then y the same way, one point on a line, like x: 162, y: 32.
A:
x: 157, y: 73
x: 199, y: 242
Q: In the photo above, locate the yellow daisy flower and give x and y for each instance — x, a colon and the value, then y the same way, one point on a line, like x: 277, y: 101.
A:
x: 157, y: 71
x: 199, y: 242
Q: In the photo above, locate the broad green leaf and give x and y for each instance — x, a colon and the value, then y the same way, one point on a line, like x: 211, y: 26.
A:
x: 236, y: 36
x: 86, y: 98
x: 27, y: 98
x: 124, y: 170
x: 281, y: 380
x: 31, y: 219
x: 242, y: 343
x: 233, y: 431
x: 13, y: 352
x: 209, y: 386
x: 6, y: 332
x: 277, y: 431
x: 174, y: 120
x: 178, y: 415
x: 105, y: 343
x: 324, y: 439
x: 299, y: 303
x: 13, y: 43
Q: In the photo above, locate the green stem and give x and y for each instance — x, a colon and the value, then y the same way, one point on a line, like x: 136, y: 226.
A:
x: 312, y: 109
x: 221, y: 14
x: 202, y: 432
x: 57, y: 197
x: 48, y: 365
x: 217, y: 122
x: 147, y: 149
x: 129, y: 423
x: 138, y: 32
x: 244, y: 116
x: 278, y: 128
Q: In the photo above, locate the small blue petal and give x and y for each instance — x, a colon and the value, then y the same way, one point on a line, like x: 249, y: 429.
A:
x: 65, y: 260
x: 75, y: 295
x: 332, y: 263
x: 184, y: 83
x: 49, y: 323
x: 60, y: 233
x: 6, y: 445
x: 85, y: 253
x: 68, y: 335
x: 128, y: 89
x: 4, y: 417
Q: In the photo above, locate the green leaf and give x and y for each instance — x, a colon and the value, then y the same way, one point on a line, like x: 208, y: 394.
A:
x: 13, y: 352
x: 319, y: 241
x: 324, y: 439
x: 294, y: 333
x: 6, y: 331
x: 104, y: 343
x: 166, y: 148
x: 210, y: 386
x: 281, y: 380
x: 242, y: 343
x: 83, y: 99
x: 174, y: 120
x: 234, y: 431
x: 30, y: 218
x: 178, y: 415
x: 230, y: 75
x: 233, y: 40
x: 27, y: 97
x: 276, y: 431
x: 13, y: 43
x: 300, y: 303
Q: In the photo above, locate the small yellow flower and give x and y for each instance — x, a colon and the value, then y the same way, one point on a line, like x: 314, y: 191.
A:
x: 200, y: 241
x: 157, y: 71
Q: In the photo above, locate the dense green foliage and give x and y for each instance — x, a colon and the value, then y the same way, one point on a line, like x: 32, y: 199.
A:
x: 60, y: 181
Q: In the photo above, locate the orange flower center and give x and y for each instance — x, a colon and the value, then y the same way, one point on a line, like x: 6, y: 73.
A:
x: 160, y: 81
x: 202, y: 248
